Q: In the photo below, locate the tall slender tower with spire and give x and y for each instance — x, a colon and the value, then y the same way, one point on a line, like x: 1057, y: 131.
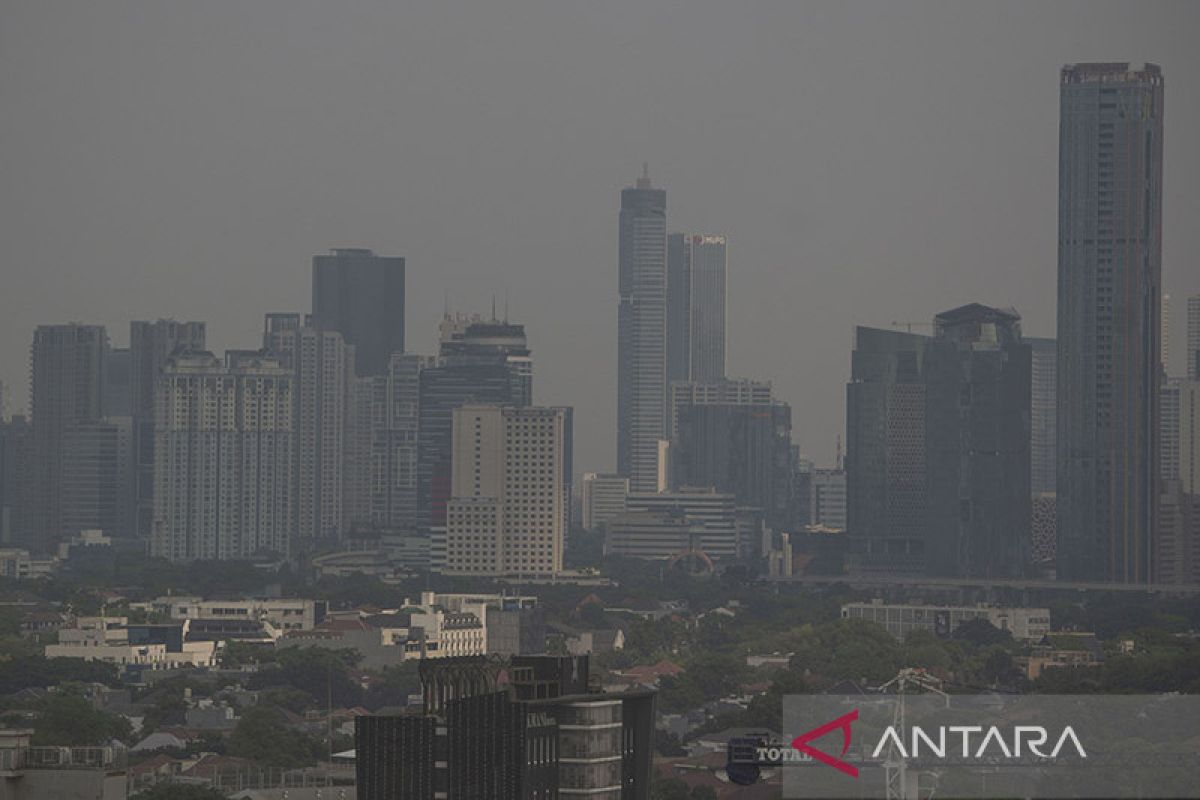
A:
x: 642, y: 333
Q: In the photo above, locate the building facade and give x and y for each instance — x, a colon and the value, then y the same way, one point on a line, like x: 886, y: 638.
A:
x: 1193, y: 337
x: 977, y: 431
x: 66, y: 389
x: 1043, y: 413
x: 361, y: 296
x: 604, y: 497
x: 150, y: 344
x: 642, y: 333
x: 506, y: 513
x: 322, y: 366
x: 736, y: 438
x: 97, y: 477
x: 1027, y: 624
x: 696, y: 289
x: 1109, y: 289
x: 223, y: 458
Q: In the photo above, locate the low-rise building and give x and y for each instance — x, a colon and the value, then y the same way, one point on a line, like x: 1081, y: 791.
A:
x: 114, y: 641
x: 1028, y: 624
x: 286, y: 614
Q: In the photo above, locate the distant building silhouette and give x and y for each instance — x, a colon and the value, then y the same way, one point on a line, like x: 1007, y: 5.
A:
x: 1043, y: 407
x: 696, y: 280
x: 150, y: 344
x: 1109, y: 294
x: 361, y: 296
x: 642, y: 334
x: 1193, y: 337
x: 67, y: 389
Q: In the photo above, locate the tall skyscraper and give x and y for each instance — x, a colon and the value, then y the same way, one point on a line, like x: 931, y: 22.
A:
x: 66, y: 389
x: 1109, y: 305
x: 735, y: 437
x: 1180, y: 442
x: 1043, y: 414
x: 15, y: 459
x: 642, y: 333
x: 322, y: 365
x: 361, y: 296
x: 696, y: 281
x: 506, y: 512
x: 885, y: 451
x: 1164, y: 338
x: 1193, y: 337
x: 150, y: 344
x: 977, y: 433
x: 223, y: 457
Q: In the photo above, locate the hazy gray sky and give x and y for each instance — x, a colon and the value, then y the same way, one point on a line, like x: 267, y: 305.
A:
x: 870, y: 162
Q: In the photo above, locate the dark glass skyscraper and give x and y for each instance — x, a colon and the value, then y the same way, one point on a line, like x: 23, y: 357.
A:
x: 361, y: 296
x: 642, y: 333
x: 1109, y: 290
x: 696, y: 278
x: 977, y: 433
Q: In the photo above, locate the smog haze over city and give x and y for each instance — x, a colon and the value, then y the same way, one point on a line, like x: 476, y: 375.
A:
x: 632, y: 401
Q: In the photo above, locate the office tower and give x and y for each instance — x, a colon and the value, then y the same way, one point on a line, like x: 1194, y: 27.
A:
x: 885, y: 450
x: 150, y: 344
x: 361, y: 296
x: 15, y: 459
x: 1168, y: 426
x: 479, y: 362
x: 603, y: 498
x: 382, y: 476
x: 828, y: 499
x: 802, y: 478
x: 66, y: 389
x: 1177, y: 546
x: 733, y: 436
x: 506, y: 515
x: 223, y: 457
x: 97, y: 477
x: 116, y: 395
x: 696, y: 281
x: 1109, y: 292
x: 1193, y: 337
x: 977, y: 429
x: 642, y: 333
x: 322, y: 367
x: 1179, y: 445
x: 1164, y: 336
x: 1043, y: 413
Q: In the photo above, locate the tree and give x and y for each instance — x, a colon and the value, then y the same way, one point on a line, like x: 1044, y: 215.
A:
x: 982, y: 633
x: 262, y: 736
x: 68, y: 719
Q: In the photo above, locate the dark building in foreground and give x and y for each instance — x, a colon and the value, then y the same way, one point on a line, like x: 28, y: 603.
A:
x: 361, y: 296
x: 1109, y: 294
x: 540, y: 736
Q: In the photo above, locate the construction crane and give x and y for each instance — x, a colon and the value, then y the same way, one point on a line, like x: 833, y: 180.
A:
x: 895, y: 764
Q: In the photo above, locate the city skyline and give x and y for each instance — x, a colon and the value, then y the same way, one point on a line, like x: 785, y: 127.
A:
x: 832, y: 221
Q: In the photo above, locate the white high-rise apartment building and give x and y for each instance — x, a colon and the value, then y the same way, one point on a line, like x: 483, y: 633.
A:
x: 323, y: 367
x: 506, y: 511
x: 223, y: 468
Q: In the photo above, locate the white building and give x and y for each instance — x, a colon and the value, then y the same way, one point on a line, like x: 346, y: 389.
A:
x: 507, y: 505
x: 1028, y: 624
x: 223, y: 457
x: 323, y: 368
x: 603, y: 498
x: 667, y: 524
x: 107, y: 639
x: 286, y: 614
